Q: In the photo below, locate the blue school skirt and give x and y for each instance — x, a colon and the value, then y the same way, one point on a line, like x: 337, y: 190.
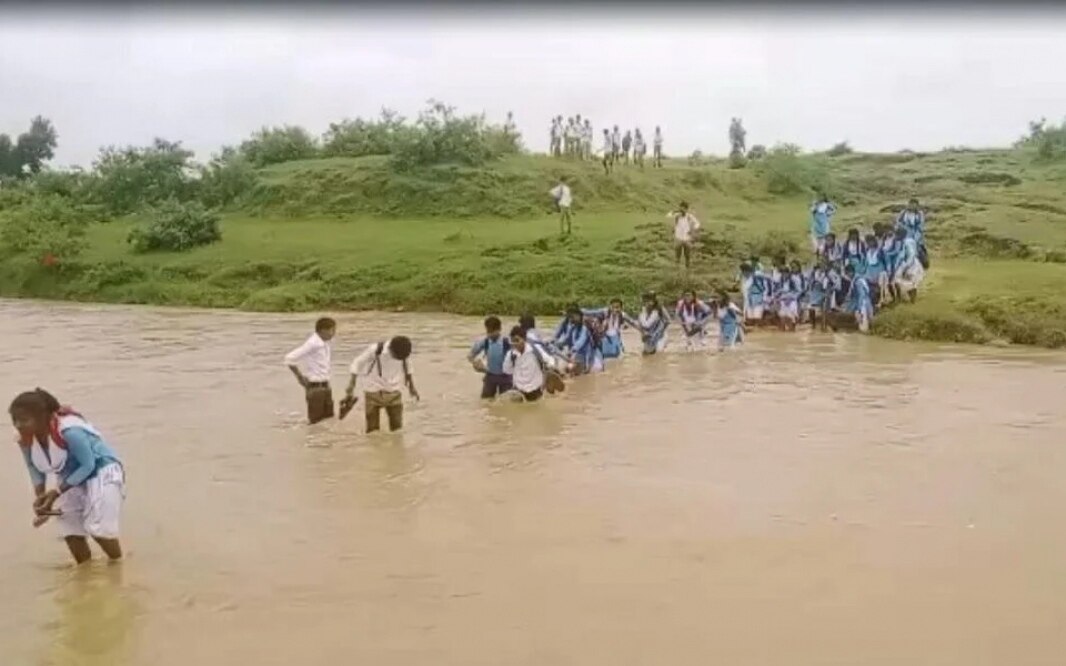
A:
x: 611, y: 346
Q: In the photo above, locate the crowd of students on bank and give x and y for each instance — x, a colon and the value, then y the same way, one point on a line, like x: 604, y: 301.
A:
x: 575, y: 139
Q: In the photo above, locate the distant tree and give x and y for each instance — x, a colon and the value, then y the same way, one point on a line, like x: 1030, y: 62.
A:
x: 37, y: 146
x: 757, y: 152
x: 274, y: 145
x: 842, y: 148
x: 127, y: 178
x: 226, y: 178
x: 27, y: 155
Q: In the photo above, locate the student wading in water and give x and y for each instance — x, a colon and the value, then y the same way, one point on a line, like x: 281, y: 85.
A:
x: 310, y: 363
x: 493, y: 347
x: 528, y: 365
x: 90, y: 480
x: 385, y: 370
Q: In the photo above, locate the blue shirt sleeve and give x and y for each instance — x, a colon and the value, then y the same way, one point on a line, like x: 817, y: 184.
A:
x: 35, y: 474
x: 477, y: 349
x: 80, y: 447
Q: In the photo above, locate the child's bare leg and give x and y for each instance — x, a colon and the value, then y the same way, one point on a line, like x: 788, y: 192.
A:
x: 79, y: 548
x: 111, y: 547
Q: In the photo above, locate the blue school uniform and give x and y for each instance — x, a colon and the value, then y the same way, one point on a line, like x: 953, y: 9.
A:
x: 875, y: 264
x: 611, y: 345
x: 693, y: 316
x: 853, y: 254
x: 913, y: 222
x: 728, y: 326
x: 891, y: 249
x: 821, y: 214
x: 577, y: 338
x: 834, y: 254
x: 816, y: 291
x: 653, y: 326
x: 859, y: 298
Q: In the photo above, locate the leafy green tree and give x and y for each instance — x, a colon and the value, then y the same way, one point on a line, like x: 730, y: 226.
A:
x: 127, y: 178
x: 226, y: 178
x: 37, y: 146
x: 359, y: 137
x: 47, y: 227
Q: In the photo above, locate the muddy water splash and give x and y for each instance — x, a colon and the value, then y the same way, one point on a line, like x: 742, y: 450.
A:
x: 810, y: 500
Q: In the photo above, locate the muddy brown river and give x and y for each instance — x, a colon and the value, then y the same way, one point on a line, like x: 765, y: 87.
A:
x: 810, y: 499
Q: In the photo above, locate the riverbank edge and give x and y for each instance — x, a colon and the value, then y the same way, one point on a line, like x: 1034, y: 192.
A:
x: 984, y: 322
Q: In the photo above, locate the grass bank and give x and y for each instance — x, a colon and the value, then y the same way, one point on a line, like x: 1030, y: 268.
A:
x: 350, y: 234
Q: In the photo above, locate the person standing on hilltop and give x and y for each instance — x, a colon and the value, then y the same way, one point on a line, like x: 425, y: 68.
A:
x: 310, y: 363
x: 686, y: 227
x: 563, y: 200
x: 608, y: 148
x: 822, y: 211
x: 586, y: 140
x: 556, y: 136
x: 657, y: 143
x: 616, y: 145
x: 638, y: 149
x: 509, y: 127
x: 627, y: 142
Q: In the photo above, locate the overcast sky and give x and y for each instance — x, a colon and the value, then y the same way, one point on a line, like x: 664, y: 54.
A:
x: 883, y: 82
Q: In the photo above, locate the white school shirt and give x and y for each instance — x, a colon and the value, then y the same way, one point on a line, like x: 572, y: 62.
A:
x: 608, y: 145
x: 391, y: 376
x: 556, y: 130
x: 638, y: 143
x: 684, y: 226
x: 525, y: 369
x: 562, y: 195
x: 313, y: 358
x: 658, y: 139
x: 587, y: 133
x: 616, y: 139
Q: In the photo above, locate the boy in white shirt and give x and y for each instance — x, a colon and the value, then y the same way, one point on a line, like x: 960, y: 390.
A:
x: 310, y: 363
x: 608, y: 149
x: 526, y: 364
x: 616, y: 145
x: 657, y: 156
x: 556, y: 135
x: 385, y: 370
x: 586, y: 141
x: 563, y: 200
x: 685, y: 228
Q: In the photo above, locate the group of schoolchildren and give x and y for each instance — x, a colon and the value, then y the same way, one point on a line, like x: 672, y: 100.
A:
x: 853, y: 278
x: 574, y: 138
x: 525, y: 364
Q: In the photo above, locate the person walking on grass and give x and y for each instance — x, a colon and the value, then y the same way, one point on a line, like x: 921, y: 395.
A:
x: 686, y: 228
x: 563, y: 200
x: 90, y: 480
x: 310, y: 364
x: 385, y: 370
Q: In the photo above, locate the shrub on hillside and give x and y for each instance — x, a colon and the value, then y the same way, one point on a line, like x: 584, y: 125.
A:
x: 440, y: 136
x: 359, y: 137
x: 757, y: 152
x: 787, y: 171
x: 226, y: 178
x: 176, y: 227
x: 842, y: 148
x: 274, y: 145
x: 48, y: 228
x: 1048, y: 140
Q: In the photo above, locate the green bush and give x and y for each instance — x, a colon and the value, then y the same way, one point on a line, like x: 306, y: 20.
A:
x: 226, y: 179
x: 274, y: 145
x: 842, y: 148
x: 176, y: 227
x: 440, y: 136
x: 45, y: 228
x: 359, y: 137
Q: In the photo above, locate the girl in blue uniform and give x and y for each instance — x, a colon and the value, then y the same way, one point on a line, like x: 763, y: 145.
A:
x: 786, y: 296
x: 613, y: 320
x: 693, y: 315
x: 818, y: 295
x: 653, y: 322
x: 575, y: 340
x: 858, y: 301
x: 875, y: 274
x: 891, y: 249
x: 832, y: 252
x: 730, y: 323
x: 854, y: 251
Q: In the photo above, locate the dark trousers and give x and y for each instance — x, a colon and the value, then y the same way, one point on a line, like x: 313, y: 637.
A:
x: 319, y: 402
x: 494, y: 385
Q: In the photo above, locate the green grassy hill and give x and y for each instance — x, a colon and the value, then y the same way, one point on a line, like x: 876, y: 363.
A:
x: 354, y: 234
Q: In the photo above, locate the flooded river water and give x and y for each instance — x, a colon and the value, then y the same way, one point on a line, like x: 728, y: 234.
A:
x: 810, y: 499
